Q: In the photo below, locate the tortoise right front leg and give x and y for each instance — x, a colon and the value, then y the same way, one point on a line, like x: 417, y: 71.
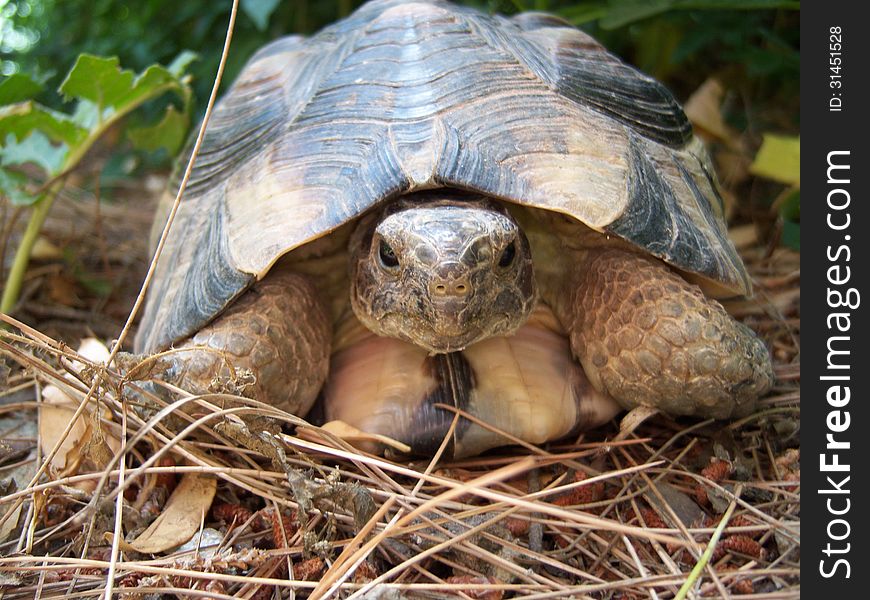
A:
x: 645, y: 336
x: 279, y: 331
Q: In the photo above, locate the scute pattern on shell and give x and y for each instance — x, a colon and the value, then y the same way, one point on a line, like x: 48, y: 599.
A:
x: 664, y: 223
x: 405, y: 96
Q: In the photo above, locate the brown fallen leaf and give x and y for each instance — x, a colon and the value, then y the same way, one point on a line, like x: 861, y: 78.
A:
x: 62, y: 289
x: 681, y: 505
x: 85, y: 440
x: 55, y: 413
x: 743, y: 236
x: 181, y: 519
x: 704, y: 111
x: 13, y: 481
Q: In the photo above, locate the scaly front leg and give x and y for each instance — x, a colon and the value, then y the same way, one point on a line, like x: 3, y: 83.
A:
x: 647, y: 337
x: 279, y: 331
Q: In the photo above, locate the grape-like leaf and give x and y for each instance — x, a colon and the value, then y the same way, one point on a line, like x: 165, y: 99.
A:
x: 168, y: 133
x: 13, y: 185
x: 34, y: 134
x: 259, y: 11
x: 18, y: 87
x: 180, y: 63
x: 102, y: 82
x: 35, y: 148
x: 624, y: 12
x: 25, y: 117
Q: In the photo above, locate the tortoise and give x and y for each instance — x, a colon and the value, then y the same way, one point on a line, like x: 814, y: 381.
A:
x: 423, y: 207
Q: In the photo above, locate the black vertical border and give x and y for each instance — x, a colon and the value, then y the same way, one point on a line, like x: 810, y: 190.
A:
x: 824, y: 131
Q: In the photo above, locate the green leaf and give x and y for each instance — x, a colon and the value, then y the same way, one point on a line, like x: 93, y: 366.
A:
x: 102, y: 82
x: 259, y: 11
x: 17, y: 88
x: 97, y: 79
x: 105, y: 93
x: 151, y: 83
x: 625, y: 12
x: 791, y: 235
x: 779, y: 158
x: 87, y: 115
x: 169, y: 133
x: 180, y: 63
x: 790, y: 209
x: 98, y: 286
x: 584, y: 13
x: 23, y: 118
x: 13, y: 185
x: 35, y: 148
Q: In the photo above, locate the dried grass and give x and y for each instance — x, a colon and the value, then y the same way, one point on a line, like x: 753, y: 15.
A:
x: 587, y: 518
x: 312, y: 517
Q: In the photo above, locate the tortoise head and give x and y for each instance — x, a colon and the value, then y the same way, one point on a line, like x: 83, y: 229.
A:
x: 441, y: 272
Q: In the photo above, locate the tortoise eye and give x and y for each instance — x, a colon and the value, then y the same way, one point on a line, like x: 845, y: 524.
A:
x: 507, y: 256
x: 387, y: 256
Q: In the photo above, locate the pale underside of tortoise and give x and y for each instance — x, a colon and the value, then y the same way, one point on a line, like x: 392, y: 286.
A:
x: 404, y: 97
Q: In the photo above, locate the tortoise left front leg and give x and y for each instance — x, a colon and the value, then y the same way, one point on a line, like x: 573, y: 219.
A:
x: 278, y: 332
x: 647, y: 337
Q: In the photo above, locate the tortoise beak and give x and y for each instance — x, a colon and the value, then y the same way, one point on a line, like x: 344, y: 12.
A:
x: 451, y: 337
x: 451, y: 315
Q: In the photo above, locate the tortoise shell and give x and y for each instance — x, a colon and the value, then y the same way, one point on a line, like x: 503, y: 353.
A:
x: 406, y: 96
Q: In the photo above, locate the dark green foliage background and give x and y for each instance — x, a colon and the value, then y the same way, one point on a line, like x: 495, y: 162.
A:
x: 752, y: 45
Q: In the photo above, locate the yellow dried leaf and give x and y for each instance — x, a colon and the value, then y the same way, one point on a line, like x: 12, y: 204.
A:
x: 779, y: 158
x: 43, y: 249
x: 356, y: 437
x: 181, y: 518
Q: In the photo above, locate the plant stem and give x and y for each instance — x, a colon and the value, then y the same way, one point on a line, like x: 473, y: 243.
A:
x: 708, y: 551
x: 12, y: 288
x: 41, y: 207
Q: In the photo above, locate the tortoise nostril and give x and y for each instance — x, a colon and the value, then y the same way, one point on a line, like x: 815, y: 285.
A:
x: 443, y: 287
